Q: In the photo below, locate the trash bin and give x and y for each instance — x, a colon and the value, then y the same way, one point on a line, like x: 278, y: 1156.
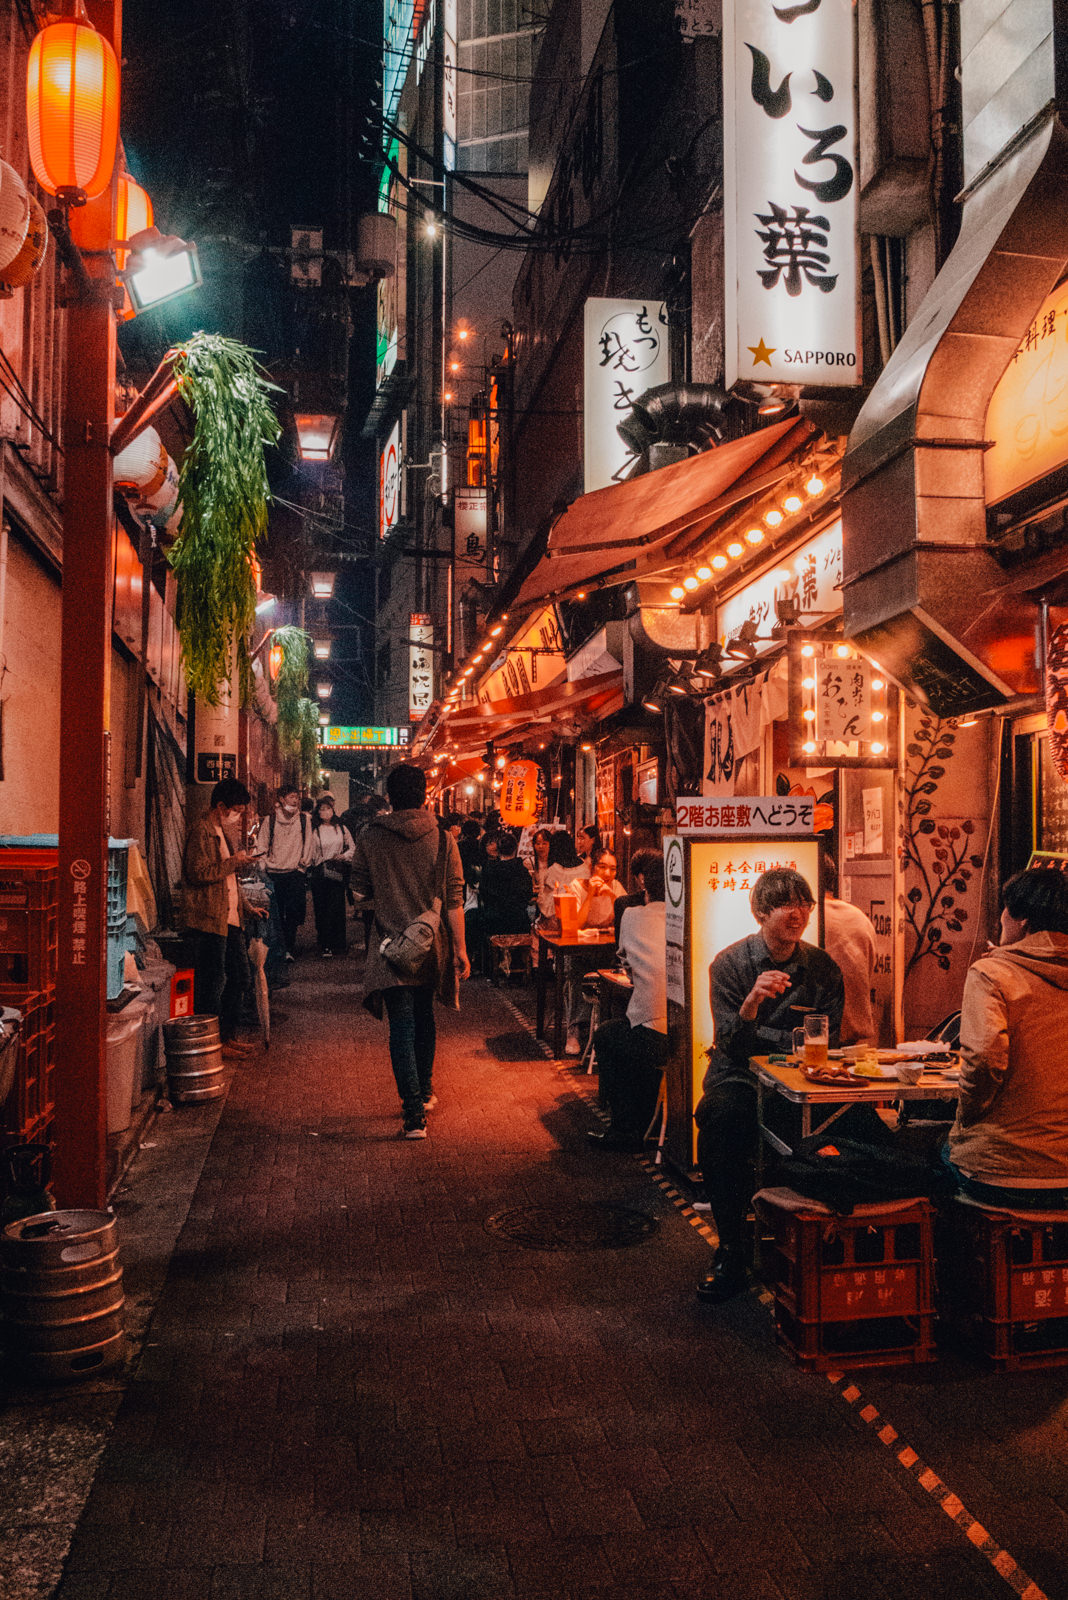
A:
x: 125, y: 1030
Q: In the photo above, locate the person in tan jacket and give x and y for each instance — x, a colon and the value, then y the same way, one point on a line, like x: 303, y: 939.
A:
x: 1009, y: 1144
x: 212, y: 907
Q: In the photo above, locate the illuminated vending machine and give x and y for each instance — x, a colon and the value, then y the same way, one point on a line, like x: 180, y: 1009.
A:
x: 710, y: 866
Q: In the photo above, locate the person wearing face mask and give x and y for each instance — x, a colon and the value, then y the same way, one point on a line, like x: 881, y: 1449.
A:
x: 761, y: 989
x: 284, y: 841
x: 213, y: 905
x: 332, y: 849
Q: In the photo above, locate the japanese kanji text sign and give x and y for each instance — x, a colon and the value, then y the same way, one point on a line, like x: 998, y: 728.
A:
x: 390, y: 484
x: 420, y: 664
x: 1028, y: 413
x: 790, y: 192
x: 767, y: 816
x: 625, y: 353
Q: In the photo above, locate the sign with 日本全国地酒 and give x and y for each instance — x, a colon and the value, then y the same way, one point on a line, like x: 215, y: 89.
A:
x: 760, y: 816
x: 790, y: 192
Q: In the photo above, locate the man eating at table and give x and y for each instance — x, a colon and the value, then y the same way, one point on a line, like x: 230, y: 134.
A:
x: 762, y: 988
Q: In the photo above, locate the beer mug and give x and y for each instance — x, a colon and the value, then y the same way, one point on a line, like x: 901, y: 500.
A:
x: 815, y: 1038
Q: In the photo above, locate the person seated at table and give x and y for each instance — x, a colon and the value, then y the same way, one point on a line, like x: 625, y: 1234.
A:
x: 761, y: 989
x: 505, y: 891
x: 1009, y: 1144
x: 849, y: 939
x: 587, y: 840
x: 597, y: 889
x: 555, y: 862
x: 631, y: 1050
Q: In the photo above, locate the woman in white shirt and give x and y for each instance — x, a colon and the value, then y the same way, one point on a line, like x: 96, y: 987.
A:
x: 332, y: 849
x: 598, y: 889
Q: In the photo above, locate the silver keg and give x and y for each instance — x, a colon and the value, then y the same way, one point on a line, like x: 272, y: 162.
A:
x: 194, y: 1059
x: 61, y: 1294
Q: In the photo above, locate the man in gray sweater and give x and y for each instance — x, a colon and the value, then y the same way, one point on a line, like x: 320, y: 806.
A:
x: 404, y: 862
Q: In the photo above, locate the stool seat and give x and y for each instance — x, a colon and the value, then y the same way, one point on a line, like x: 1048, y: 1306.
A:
x: 514, y: 950
x: 1009, y: 1211
x: 790, y: 1200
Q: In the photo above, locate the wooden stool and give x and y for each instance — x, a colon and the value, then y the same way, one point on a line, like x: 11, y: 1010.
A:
x: 517, y: 947
x: 1004, y: 1282
x: 854, y: 1291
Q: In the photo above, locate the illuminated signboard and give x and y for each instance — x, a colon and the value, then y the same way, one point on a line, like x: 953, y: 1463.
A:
x: 707, y: 888
x: 811, y: 575
x: 625, y: 352
x: 448, y: 110
x: 790, y: 193
x: 390, y: 484
x: 1028, y: 413
x: 420, y: 664
x: 336, y: 738
x: 533, y: 659
x: 392, y: 288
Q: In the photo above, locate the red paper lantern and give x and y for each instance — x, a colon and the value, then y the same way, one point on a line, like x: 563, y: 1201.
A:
x: 133, y: 213
x: 519, y: 794
x: 72, y: 110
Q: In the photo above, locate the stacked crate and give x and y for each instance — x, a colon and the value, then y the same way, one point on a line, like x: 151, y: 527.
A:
x: 1004, y: 1283
x: 855, y: 1291
x: 28, y: 932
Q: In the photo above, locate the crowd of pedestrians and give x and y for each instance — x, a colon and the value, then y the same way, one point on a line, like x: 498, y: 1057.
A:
x: 435, y: 893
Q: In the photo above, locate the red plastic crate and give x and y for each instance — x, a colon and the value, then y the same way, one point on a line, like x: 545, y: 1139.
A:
x: 854, y: 1291
x: 28, y: 918
x: 1005, y: 1282
x: 32, y: 1097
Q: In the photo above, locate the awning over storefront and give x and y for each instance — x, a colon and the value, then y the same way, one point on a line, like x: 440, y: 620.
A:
x: 497, y: 719
x: 921, y: 588
x: 611, y: 534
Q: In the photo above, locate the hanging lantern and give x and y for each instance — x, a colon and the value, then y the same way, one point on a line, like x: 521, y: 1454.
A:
x: 156, y: 507
x: 1057, y: 698
x: 14, y: 214
x: 72, y: 110
x: 276, y: 658
x: 519, y: 794
x: 27, y: 263
x: 142, y: 466
x: 133, y: 213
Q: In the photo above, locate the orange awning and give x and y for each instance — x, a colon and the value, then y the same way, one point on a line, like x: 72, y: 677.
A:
x: 473, y: 725
x: 602, y: 535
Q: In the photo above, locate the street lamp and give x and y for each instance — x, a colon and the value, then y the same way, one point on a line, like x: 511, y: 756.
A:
x: 321, y: 649
x: 316, y: 434
x: 322, y: 584
x: 324, y: 690
x: 159, y: 267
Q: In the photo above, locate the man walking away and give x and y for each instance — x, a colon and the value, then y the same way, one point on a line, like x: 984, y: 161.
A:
x: 284, y: 841
x: 404, y: 863
x: 213, y: 904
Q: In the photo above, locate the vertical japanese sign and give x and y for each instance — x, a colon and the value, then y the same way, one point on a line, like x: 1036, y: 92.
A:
x: 625, y: 353
x: 390, y: 484
x: 790, y: 192
x: 420, y: 664
x: 448, y: 105
x: 470, y: 533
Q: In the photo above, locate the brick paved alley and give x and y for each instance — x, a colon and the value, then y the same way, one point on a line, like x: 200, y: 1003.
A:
x: 353, y: 1390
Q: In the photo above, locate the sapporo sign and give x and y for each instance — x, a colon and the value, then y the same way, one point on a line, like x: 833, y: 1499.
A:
x: 790, y: 192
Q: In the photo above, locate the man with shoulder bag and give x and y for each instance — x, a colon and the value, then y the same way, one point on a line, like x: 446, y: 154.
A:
x: 412, y: 871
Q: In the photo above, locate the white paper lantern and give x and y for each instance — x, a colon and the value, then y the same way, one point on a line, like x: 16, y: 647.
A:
x: 158, y: 506
x: 28, y: 261
x: 14, y: 214
x: 142, y: 466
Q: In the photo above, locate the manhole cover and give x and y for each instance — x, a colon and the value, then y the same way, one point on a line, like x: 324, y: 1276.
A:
x: 573, y: 1227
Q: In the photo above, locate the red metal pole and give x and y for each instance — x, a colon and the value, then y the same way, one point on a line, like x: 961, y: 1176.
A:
x: 80, y: 1127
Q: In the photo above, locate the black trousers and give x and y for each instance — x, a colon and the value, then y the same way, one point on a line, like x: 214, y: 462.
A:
x: 328, y: 903
x: 629, y: 1065
x: 727, y: 1132
x: 221, y: 977
x: 291, y: 894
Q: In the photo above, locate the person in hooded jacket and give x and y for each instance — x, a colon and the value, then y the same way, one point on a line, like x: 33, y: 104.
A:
x: 404, y: 862
x: 1009, y: 1144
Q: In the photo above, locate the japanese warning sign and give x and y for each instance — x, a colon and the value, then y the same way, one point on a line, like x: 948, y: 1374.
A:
x: 790, y: 201
x: 626, y: 352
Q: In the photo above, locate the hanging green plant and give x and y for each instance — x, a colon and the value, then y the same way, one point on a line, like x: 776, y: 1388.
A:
x: 224, y: 494
x: 309, y: 740
x: 290, y: 684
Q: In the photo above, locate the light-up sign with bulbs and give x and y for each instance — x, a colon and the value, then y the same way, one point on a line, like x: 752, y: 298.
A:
x: 810, y: 575
x: 842, y: 709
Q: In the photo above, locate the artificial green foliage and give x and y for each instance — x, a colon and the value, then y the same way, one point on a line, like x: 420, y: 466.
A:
x: 309, y: 740
x: 290, y: 684
x: 224, y: 494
